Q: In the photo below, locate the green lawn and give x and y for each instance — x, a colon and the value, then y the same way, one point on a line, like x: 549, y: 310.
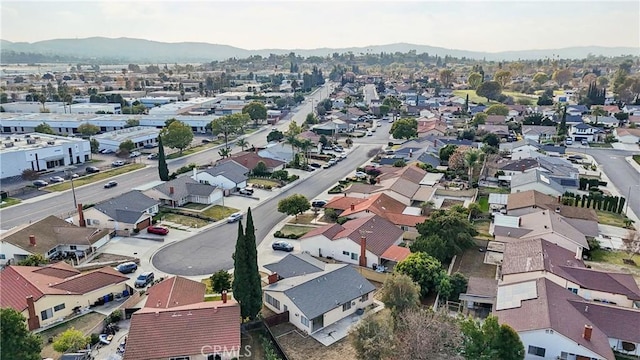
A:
x: 85, y: 323
x: 482, y: 227
x: 532, y: 99
x: 103, y: 175
x: 185, y: 220
x: 600, y: 145
x: 611, y: 257
x: 191, y: 150
x: 636, y: 158
x: 195, y: 206
x: 296, y: 230
x: 9, y: 201
x: 483, y: 201
x: 219, y: 212
x: 609, y: 218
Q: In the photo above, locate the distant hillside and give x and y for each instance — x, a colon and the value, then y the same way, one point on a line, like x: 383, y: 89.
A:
x: 139, y: 50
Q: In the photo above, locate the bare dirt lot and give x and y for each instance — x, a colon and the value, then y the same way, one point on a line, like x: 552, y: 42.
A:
x: 471, y: 263
x: 298, y: 346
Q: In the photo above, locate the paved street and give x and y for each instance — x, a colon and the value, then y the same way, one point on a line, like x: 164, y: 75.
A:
x: 61, y: 204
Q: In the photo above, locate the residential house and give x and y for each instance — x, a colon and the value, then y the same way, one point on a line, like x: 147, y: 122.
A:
x: 632, y: 109
x: 538, y: 133
x: 393, y: 255
x: 544, y: 224
x: 627, y: 135
x: 250, y: 159
x: 360, y: 241
x: 319, y: 299
x: 502, y: 131
x: 126, y: 212
x: 557, y: 330
x: 228, y: 175
x: 611, y: 109
x: 49, y: 294
x: 496, y: 120
x: 50, y: 237
x: 183, y: 190
x: 278, y: 151
x: 508, y: 147
x: 535, y: 258
x: 175, y: 291
x: 294, y: 265
x: 480, y: 295
x: 525, y: 152
x: 429, y: 159
x: 403, y: 184
x: 577, y: 109
x: 583, y: 131
x: 526, y: 202
x: 382, y: 205
x: 541, y: 181
x: 607, y: 121
x: 431, y: 127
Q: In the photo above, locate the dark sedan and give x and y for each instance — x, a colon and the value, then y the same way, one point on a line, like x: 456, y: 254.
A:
x: 282, y: 245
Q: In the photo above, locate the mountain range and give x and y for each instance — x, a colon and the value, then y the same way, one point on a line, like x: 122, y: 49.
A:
x: 140, y: 50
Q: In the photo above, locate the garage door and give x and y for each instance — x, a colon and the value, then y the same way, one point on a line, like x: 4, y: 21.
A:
x: 144, y: 224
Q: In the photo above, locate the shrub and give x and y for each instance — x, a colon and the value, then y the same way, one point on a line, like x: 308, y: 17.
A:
x: 95, y: 338
x: 280, y: 175
x: 342, y: 219
x: 293, y: 178
x: 114, y: 317
x: 278, y: 234
x: 335, y: 190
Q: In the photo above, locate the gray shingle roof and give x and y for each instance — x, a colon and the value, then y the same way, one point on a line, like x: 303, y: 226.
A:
x: 296, y: 265
x: 183, y: 187
x: 317, y: 293
x: 128, y: 207
x: 230, y: 170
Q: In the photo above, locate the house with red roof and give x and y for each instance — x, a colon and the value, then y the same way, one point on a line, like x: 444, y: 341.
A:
x: 176, y: 323
x: 46, y: 295
x: 360, y: 241
x: 250, y: 159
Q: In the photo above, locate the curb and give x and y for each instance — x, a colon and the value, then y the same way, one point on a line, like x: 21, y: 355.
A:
x: 633, y: 163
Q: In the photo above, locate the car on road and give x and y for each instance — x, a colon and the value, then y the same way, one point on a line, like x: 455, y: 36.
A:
x: 318, y: 203
x: 338, y: 148
x: 158, y: 230
x: 369, y: 133
x: 282, y: 245
x: 127, y: 268
x: 310, y: 168
x: 135, y: 154
x: 568, y: 141
x: 144, y: 279
x: 152, y: 156
x: 332, y: 161
x: 40, y: 183
x: 361, y: 174
x: 92, y: 169
x: 117, y: 163
x: 110, y: 184
x: 378, y: 124
x: 56, y: 179
x: 315, y: 165
x: 206, y: 141
x: 246, y: 191
x: 234, y: 217
x: 106, y: 151
x: 74, y: 176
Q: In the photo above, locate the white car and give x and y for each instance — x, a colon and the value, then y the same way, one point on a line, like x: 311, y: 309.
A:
x: 361, y: 174
x: 117, y: 163
x: 234, y: 217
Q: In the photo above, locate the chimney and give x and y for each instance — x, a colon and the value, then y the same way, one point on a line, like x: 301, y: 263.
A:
x: 32, y: 240
x: 578, y: 253
x: 586, y: 334
x: 81, y: 221
x: 171, y: 190
x: 224, y: 296
x: 353, y: 207
x: 32, y: 321
x: 363, y: 251
x: 195, y: 171
x: 273, y: 278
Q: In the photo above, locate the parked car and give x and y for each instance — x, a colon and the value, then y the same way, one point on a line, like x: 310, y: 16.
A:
x: 135, y: 154
x: 206, y: 141
x: 332, y: 162
x: 158, y: 230
x: 246, y: 191
x: 315, y: 165
x: 369, y: 133
x: 361, y: 174
x: 56, y: 179
x: 106, y: 151
x: 150, y: 146
x: 310, y: 168
x: 110, y: 184
x: 152, y: 156
x: 40, y: 183
x: 584, y: 143
x: 144, y: 279
x: 282, y: 245
x: 318, y: 203
x: 117, y: 163
x: 74, y: 176
x: 92, y: 169
x: 234, y: 217
x: 568, y: 141
x: 127, y: 268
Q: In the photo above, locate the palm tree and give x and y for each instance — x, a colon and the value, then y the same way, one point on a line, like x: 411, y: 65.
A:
x: 598, y: 111
x: 427, y: 207
x: 42, y: 99
x: 470, y: 160
x: 242, y: 143
x: 224, y: 152
x: 67, y: 100
x: 292, y: 139
x: 305, y: 145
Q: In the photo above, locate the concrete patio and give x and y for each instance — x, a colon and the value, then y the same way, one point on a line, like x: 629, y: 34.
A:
x: 339, y: 330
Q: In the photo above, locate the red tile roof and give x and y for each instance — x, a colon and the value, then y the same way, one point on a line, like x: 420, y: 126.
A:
x: 251, y: 159
x: 175, y: 291
x: 20, y: 289
x: 396, y: 253
x: 184, y: 330
x: 91, y: 281
x: 378, y: 204
x: 343, y: 202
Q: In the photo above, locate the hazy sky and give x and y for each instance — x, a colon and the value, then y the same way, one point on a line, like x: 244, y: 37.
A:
x: 471, y: 25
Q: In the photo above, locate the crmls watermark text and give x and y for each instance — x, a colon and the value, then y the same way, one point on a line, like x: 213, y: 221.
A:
x: 222, y: 352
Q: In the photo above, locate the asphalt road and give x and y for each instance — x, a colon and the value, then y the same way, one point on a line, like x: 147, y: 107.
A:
x: 623, y: 176
x: 61, y: 204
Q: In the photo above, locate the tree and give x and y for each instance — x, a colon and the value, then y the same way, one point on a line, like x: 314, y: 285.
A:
x: 70, y: 340
x: 373, y: 337
x: 384, y: 110
x: 489, y: 89
x: 224, y: 152
x: 229, y: 124
x: 393, y: 103
x: 88, y: 129
x: 33, y: 260
x: 311, y: 119
x: 471, y: 158
x: 177, y: 135
x: 95, y: 146
x: 451, y: 228
x: 127, y: 145
x: 399, y: 293
x: 540, y: 78
x: 498, y: 109
x: 323, y: 140
x: 424, y: 269
x: 491, y: 139
x: 16, y: 341
x: 405, y: 129
x: 275, y: 135
x: 132, y: 123
x: 502, y: 77
x: 427, y: 335
x: 260, y: 169
x: 243, y: 143
x: 220, y: 281
x: 252, y: 303
x: 446, y: 76
x: 562, y: 76
x: 446, y: 151
x: 632, y: 243
x: 294, y: 205
x: 474, y: 80
x: 489, y: 340
x: 563, y: 130
x: 479, y: 119
x: 256, y: 111
x: 44, y: 128
x: 30, y: 174
x: 163, y: 169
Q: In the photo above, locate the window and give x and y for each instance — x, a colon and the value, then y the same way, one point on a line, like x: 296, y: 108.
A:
x: 3, y: 256
x: 364, y: 297
x: 214, y: 357
x: 58, y: 307
x: 73, y: 247
x: 180, y: 358
x: 538, y: 351
x: 271, y: 301
x: 573, y: 290
x: 346, y: 306
x: 345, y: 253
x: 354, y: 256
x: 46, y: 314
x: 304, y: 321
x: 52, y: 251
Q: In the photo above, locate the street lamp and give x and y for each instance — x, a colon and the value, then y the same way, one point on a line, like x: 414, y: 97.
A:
x: 73, y: 189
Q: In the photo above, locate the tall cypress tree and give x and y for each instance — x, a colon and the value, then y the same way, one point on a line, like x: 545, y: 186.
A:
x: 240, y: 272
x: 163, y: 169
x: 253, y: 302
